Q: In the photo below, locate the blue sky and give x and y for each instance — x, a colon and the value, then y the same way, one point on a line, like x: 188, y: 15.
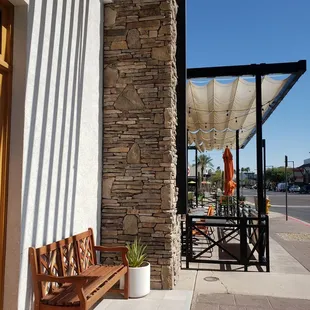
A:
x: 241, y: 32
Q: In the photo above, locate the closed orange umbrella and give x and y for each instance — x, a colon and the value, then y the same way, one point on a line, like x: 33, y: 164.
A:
x: 230, y: 185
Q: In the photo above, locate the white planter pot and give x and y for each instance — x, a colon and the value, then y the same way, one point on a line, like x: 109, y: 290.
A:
x: 139, y: 281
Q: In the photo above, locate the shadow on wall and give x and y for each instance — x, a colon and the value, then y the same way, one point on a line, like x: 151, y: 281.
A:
x: 56, y: 99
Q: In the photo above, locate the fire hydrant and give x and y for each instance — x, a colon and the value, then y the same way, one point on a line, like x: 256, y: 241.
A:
x: 268, y: 205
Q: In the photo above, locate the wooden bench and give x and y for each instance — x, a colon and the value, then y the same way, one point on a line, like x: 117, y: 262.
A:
x: 66, y: 274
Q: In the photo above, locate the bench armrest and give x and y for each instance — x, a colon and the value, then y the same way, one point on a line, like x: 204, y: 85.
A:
x: 121, y: 249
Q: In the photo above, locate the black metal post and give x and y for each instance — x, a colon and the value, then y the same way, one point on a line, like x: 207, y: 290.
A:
x: 196, y: 174
x: 259, y: 144
x: 259, y: 160
x: 243, y: 243
x: 267, y: 244
x: 187, y: 242
x: 264, y: 160
x: 237, y: 169
x: 181, y: 138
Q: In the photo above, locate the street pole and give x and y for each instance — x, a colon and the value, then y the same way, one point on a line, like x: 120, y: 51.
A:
x: 286, y: 209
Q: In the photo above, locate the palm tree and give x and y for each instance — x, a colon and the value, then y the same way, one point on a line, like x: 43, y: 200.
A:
x: 204, y: 161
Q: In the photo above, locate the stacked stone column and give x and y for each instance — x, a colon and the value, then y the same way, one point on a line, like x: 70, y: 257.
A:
x: 139, y: 155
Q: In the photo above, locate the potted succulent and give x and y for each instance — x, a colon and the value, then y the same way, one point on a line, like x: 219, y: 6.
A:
x: 139, y: 270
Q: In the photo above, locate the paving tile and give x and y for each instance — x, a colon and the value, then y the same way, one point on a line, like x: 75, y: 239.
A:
x: 226, y: 307
x: 260, y: 302
x: 222, y: 299
x: 173, y: 304
x: 103, y: 305
x: 187, y: 279
x: 156, y: 294
x: 145, y: 304
x: 178, y: 295
x: 204, y: 306
x: 289, y: 303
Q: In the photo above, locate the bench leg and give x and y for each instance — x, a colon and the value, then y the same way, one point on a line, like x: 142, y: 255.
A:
x: 126, y: 285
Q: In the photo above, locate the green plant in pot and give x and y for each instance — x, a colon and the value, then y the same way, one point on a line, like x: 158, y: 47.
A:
x: 139, y: 269
x: 136, y: 254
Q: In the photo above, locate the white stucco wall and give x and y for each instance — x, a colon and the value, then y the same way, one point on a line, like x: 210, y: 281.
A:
x: 61, y: 185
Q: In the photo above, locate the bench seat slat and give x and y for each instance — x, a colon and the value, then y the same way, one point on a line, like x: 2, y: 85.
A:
x: 67, y: 295
x: 63, y: 290
x: 71, y: 298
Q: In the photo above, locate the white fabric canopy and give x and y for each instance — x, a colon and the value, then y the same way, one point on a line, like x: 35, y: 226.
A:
x: 216, y: 110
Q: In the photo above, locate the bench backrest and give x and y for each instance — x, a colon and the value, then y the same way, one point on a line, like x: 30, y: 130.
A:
x: 66, y: 257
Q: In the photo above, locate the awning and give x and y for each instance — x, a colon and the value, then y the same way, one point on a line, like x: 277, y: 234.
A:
x: 217, y: 109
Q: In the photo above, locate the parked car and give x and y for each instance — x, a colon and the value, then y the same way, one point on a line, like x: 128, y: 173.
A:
x: 305, y: 189
x: 281, y: 187
x: 294, y: 189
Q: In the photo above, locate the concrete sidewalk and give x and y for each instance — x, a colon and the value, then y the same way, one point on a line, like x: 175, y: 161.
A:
x: 285, y: 287
x: 293, y: 235
x: 247, y: 302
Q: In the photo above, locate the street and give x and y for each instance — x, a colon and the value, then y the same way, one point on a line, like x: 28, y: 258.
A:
x: 298, y: 204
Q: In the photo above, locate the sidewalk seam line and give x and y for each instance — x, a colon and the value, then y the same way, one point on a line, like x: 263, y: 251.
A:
x: 271, y: 307
x: 226, y: 289
x: 193, y: 299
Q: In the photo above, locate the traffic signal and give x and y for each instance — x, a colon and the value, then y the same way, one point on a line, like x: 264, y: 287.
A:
x: 285, y: 161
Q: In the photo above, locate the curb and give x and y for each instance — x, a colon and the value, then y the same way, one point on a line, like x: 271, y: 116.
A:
x: 294, y: 219
x: 298, y: 220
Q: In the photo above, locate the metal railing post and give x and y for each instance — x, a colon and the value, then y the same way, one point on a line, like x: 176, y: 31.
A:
x: 243, y: 243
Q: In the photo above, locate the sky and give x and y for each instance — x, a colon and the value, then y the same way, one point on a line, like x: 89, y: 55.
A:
x: 221, y: 33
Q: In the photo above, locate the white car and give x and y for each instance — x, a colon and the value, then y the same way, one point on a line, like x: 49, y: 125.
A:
x: 294, y: 189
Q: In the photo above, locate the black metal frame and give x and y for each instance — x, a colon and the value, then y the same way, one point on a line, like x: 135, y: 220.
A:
x: 181, y: 138
x: 247, y: 70
x: 296, y: 69
x: 244, y: 226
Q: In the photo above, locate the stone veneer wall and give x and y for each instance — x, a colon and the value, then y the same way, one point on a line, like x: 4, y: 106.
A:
x: 139, y: 155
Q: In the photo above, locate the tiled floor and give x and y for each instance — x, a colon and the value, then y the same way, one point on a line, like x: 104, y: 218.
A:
x: 156, y: 300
